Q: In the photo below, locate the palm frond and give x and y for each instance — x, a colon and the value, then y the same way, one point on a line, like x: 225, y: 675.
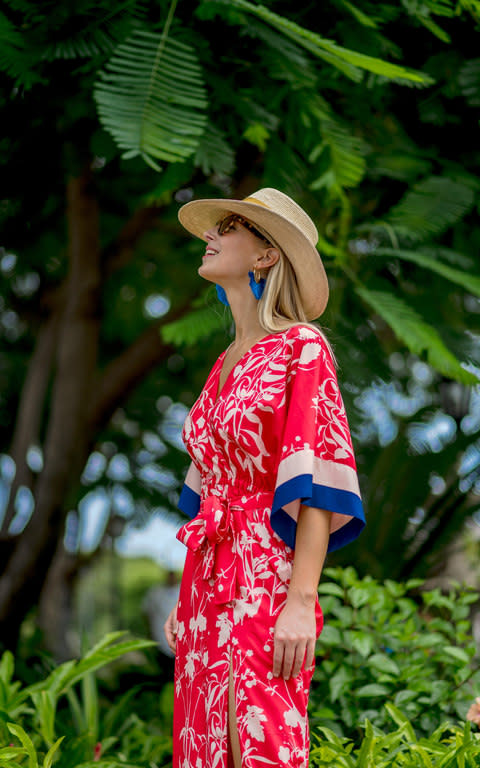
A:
x: 346, y: 162
x: 430, y: 207
x: 351, y: 63
x: 469, y: 82
x: 151, y: 98
x: 96, y: 37
x: 416, y: 334
x: 284, y: 59
x: 191, y: 328
x: 423, y: 12
x: 214, y: 154
x: 470, y: 282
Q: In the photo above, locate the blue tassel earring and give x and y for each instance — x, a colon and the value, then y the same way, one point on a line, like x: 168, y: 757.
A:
x: 257, y: 286
x: 221, y: 295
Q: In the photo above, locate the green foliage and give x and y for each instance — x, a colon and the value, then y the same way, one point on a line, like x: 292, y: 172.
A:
x: 93, y: 731
x: 196, y: 325
x: 448, y: 747
x: 151, y: 97
x: 395, y: 674
x: 388, y: 643
x: 351, y: 63
x: 418, y: 336
x: 467, y: 280
x: 430, y: 207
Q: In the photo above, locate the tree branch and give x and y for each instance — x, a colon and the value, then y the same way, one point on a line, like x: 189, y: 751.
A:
x: 123, y: 374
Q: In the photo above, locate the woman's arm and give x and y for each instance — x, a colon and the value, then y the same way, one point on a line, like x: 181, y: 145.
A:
x: 295, y: 630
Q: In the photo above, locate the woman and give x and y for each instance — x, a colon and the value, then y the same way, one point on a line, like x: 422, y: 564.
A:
x: 271, y: 487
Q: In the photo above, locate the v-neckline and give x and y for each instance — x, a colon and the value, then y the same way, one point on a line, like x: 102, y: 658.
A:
x: 218, y: 393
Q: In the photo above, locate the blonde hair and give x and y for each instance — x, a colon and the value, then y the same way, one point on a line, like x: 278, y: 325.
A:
x: 281, y: 306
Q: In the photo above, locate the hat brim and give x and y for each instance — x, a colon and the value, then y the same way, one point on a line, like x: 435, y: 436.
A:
x: 198, y: 216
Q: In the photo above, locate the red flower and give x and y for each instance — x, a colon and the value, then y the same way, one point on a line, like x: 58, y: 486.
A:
x: 97, y: 752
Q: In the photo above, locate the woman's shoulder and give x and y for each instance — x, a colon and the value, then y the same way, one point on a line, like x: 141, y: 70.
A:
x: 305, y: 334
x: 306, y: 344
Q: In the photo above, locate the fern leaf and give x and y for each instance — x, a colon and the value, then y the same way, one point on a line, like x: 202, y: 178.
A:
x: 346, y: 162
x: 430, y: 207
x: 469, y: 82
x: 193, y: 327
x: 346, y: 60
x: 151, y: 98
x: 468, y: 281
x: 214, y: 154
x: 416, y: 334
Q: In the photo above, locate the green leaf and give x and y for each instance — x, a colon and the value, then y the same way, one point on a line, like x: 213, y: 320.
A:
x: 347, y: 61
x: 26, y: 742
x: 151, y: 97
x: 190, y: 328
x: 214, y: 154
x: 258, y: 135
x: 331, y: 635
x: 329, y: 588
x: 48, y: 759
x: 431, y: 207
x: 467, y: 280
x: 339, y: 682
x: 347, y: 165
x: 457, y: 653
x: 418, y: 336
x: 469, y: 82
x: 7, y: 666
x: 363, y: 643
x: 372, y: 689
x: 383, y: 663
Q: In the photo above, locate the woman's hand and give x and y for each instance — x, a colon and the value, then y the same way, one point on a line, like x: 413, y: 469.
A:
x: 294, y: 636
x: 170, y: 629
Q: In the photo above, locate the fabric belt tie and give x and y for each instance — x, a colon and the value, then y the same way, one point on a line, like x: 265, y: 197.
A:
x: 213, y: 531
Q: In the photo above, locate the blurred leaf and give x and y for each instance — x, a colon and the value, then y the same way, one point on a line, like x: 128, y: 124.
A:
x: 430, y: 207
x: 415, y: 333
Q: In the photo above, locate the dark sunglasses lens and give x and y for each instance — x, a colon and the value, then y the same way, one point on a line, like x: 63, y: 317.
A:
x: 226, y: 224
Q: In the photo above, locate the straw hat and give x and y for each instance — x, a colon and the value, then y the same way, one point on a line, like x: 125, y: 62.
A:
x: 286, y: 225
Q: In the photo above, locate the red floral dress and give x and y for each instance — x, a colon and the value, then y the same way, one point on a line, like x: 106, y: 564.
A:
x: 276, y: 436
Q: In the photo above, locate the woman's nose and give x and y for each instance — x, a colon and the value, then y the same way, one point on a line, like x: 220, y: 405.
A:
x: 209, y: 234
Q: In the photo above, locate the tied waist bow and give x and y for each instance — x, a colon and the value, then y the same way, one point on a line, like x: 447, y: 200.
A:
x: 215, y: 532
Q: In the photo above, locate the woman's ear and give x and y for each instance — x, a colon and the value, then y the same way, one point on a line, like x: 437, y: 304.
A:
x: 269, y: 258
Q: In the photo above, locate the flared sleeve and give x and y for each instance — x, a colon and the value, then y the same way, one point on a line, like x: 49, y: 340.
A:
x: 189, y: 501
x: 316, y: 465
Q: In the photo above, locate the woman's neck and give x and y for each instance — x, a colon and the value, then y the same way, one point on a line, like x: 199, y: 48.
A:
x: 245, y: 315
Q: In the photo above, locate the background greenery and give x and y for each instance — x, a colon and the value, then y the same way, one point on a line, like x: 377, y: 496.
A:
x: 367, y: 114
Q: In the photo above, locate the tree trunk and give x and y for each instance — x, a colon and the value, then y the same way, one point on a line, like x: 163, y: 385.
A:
x: 30, y: 411
x: 55, y: 606
x: 66, y: 438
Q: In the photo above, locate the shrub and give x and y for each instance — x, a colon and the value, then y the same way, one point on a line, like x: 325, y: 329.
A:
x: 448, y: 747
x: 389, y: 643
x: 62, y: 720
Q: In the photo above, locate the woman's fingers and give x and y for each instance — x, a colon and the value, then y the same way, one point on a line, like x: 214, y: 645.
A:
x: 294, y: 640
x: 170, y: 629
x: 288, y: 657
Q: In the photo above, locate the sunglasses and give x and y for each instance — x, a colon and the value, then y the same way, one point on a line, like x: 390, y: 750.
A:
x: 228, y: 224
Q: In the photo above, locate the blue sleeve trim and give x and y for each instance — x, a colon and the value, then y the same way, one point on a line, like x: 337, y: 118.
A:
x: 322, y: 497
x: 189, y: 501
